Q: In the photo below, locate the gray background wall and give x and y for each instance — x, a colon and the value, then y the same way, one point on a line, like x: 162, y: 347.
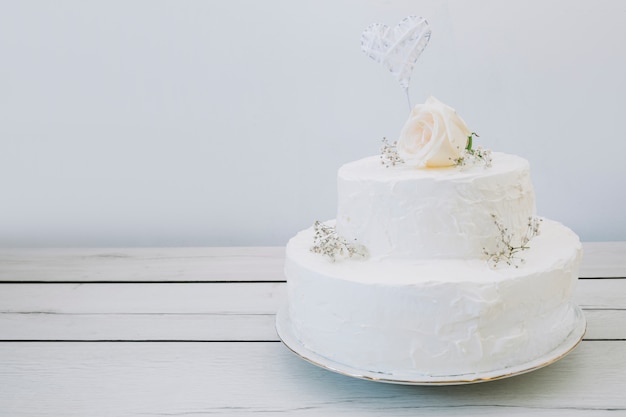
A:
x: 165, y: 123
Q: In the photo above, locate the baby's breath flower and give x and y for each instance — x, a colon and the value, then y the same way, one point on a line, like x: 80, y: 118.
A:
x: 473, y: 157
x: 389, y: 154
x: 327, y: 242
x: 507, y: 251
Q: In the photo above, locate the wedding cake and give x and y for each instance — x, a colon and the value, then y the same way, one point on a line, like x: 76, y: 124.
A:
x: 436, y: 268
x: 433, y: 267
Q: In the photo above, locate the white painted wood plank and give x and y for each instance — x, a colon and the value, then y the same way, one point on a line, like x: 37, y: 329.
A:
x: 197, y: 298
x: 138, y: 327
x: 606, y: 324
x: 601, y: 293
x: 187, y: 298
x: 601, y: 259
x: 601, y: 324
x: 143, y: 264
x: 236, y: 379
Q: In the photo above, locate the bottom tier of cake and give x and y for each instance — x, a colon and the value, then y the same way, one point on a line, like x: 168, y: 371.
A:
x: 435, y: 318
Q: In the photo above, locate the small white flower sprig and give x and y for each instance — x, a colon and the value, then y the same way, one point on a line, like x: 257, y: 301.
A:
x: 472, y: 157
x: 328, y: 243
x: 389, y: 154
x: 506, y: 251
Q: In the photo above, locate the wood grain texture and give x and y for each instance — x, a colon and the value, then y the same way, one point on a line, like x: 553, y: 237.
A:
x: 235, y: 379
x: 601, y: 259
x: 143, y: 264
x: 155, y: 327
x: 188, y: 298
x: 601, y: 324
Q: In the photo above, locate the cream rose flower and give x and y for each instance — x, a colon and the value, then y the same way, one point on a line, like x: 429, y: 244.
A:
x: 433, y: 136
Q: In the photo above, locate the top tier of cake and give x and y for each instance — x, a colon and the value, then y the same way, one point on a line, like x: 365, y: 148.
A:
x: 441, y: 213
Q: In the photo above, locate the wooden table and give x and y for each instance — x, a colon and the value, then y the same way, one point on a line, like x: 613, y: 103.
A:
x: 190, y: 332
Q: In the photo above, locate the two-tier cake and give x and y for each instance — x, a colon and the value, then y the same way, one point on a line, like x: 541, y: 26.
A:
x: 436, y: 267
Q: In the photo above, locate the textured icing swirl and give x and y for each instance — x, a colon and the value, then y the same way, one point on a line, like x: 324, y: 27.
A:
x: 432, y: 213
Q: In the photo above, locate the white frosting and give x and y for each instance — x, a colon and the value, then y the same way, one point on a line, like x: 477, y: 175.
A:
x: 406, y: 212
x: 426, y: 301
x: 439, y: 316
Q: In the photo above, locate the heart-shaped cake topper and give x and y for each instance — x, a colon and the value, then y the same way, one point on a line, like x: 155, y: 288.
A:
x: 397, y: 48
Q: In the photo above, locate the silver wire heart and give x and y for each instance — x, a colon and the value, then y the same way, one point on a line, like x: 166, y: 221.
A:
x: 399, y: 48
